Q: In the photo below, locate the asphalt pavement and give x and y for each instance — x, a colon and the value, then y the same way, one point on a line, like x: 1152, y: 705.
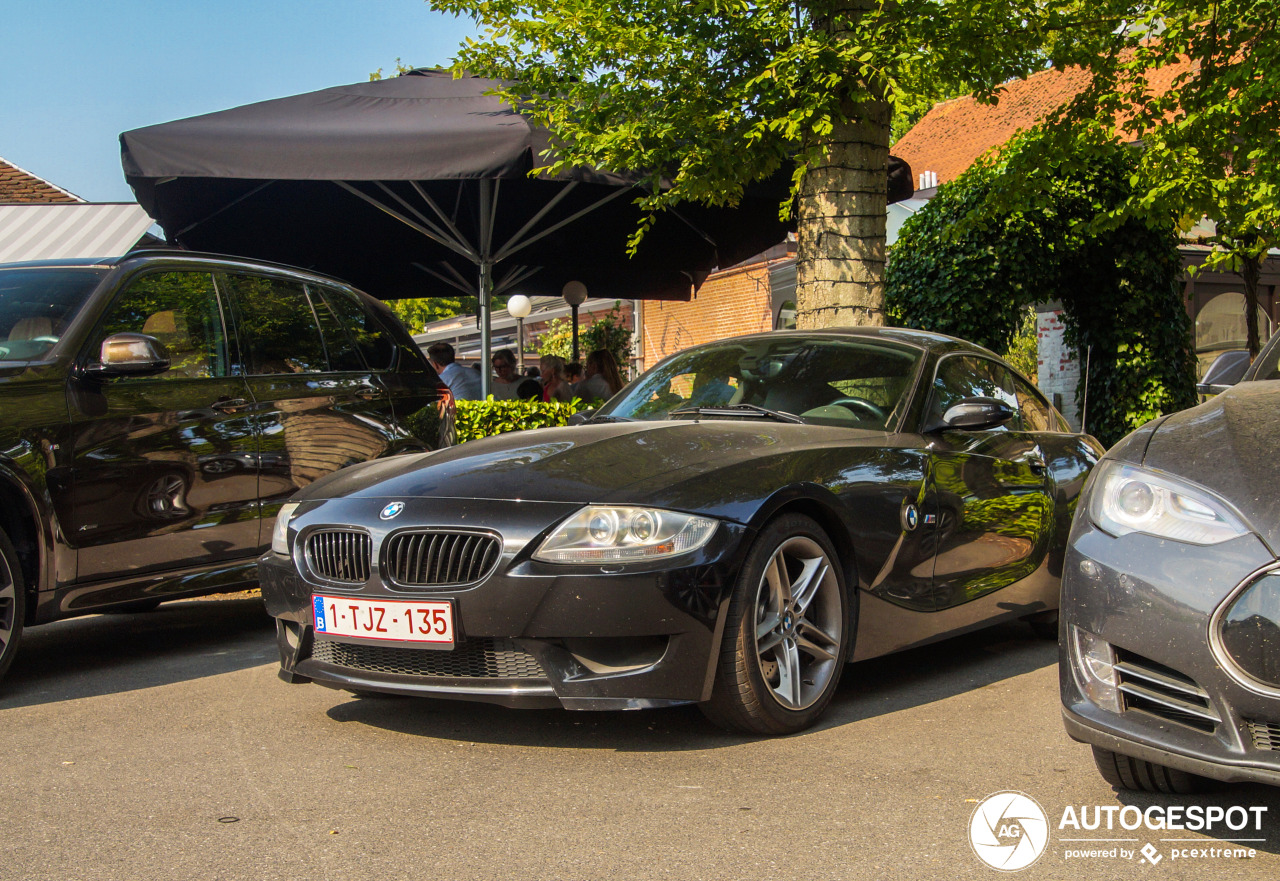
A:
x: 162, y: 746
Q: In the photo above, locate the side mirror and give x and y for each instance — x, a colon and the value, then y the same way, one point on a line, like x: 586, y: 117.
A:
x: 130, y: 354
x: 1225, y: 371
x: 580, y: 418
x: 975, y: 414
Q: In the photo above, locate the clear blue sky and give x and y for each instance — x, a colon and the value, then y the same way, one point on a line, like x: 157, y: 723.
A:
x: 74, y: 74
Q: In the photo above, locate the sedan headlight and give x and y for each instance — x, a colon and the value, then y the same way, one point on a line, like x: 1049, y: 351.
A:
x: 280, y: 535
x: 1127, y: 499
x: 609, y: 534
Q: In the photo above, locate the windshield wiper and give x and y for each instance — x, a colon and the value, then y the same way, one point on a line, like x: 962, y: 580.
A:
x: 738, y: 410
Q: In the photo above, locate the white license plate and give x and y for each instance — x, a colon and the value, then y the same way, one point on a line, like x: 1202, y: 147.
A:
x: 427, y: 621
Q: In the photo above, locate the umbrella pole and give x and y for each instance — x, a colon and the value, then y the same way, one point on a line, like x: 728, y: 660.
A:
x: 486, y: 314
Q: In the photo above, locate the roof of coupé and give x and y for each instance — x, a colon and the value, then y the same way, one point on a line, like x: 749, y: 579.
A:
x: 920, y: 339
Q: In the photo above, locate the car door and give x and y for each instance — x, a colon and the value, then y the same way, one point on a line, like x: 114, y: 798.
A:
x: 157, y: 478
x: 317, y: 407
x: 994, y: 499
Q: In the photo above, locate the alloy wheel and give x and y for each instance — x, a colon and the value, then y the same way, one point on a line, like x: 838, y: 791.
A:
x: 8, y: 604
x: 799, y: 623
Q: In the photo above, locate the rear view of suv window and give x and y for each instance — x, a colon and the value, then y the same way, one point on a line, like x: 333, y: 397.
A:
x: 277, y: 326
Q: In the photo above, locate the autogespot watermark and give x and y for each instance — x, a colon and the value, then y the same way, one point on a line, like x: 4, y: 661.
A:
x: 1010, y: 831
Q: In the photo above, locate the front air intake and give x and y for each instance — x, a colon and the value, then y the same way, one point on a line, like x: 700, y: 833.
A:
x: 472, y: 659
x: 1265, y: 735
x: 1150, y: 687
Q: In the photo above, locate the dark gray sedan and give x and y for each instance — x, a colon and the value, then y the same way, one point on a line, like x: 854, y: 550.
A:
x: 1171, y: 597
x: 730, y: 529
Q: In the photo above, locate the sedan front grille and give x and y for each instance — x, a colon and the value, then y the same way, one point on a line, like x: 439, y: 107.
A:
x: 435, y: 559
x: 1162, y: 691
x: 473, y: 659
x: 1266, y: 735
x: 340, y: 555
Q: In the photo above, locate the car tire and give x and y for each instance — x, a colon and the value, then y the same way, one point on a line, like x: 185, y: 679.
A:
x: 1126, y: 772
x: 786, y: 637
x: 13, y: 603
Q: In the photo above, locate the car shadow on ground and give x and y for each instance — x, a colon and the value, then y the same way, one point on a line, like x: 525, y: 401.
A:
x: 108, y: 654
x: 868, y: 688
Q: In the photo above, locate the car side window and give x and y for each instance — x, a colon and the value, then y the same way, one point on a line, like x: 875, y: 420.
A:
x: 369, y: 335
x: 181, y: 310
x: 277, y: 326
x: 1037, y: 415
x: 338, y: 341
x: 965, y: 376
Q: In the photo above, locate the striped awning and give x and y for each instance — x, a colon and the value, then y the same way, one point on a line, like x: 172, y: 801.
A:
x: 68, y: 231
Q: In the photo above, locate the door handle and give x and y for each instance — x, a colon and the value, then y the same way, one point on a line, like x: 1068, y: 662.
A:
x: 229, y: 405
x: 1037, y: 466
x: 369, y: 393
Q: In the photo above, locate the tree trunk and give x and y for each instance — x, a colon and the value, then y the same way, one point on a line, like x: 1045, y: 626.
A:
x: 1250, y: 269
x: 841, y: 224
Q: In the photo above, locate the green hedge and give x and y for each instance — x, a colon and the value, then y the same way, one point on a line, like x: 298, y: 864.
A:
x: 476, y: 419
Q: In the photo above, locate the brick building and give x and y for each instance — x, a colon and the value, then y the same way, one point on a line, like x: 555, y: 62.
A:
x: 42, y: 221
x: 751, y: 297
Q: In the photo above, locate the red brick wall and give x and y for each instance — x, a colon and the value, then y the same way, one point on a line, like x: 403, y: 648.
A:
x: 729, y: 303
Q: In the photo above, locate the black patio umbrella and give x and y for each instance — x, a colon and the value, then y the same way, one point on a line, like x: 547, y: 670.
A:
x: 422, y: 180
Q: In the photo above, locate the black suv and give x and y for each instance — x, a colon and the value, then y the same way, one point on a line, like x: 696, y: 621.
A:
x: 157, y: 410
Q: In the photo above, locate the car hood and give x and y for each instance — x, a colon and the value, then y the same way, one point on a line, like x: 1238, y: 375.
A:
x: 1228, y: 445
x: 587, y: 463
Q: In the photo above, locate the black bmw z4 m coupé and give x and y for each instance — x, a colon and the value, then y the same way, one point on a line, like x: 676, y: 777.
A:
x: 730, y: 529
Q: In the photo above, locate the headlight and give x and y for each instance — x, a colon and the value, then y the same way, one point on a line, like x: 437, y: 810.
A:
x: 607, y: 534
x: 280, y: 535
x: 1130, y: 499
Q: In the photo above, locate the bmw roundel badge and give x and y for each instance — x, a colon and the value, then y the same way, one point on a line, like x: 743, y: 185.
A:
x: 391, y: 510
x: 910, y: 517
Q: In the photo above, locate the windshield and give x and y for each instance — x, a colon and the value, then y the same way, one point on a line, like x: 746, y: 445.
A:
x: 36, y: 305
x: 858, y: 383
x: 1268, y: 364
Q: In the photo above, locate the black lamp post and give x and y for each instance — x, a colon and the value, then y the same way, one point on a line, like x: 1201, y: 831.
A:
x: 575, y: 294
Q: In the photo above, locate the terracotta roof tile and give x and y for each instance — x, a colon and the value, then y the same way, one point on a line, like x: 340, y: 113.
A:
x: 18, y: 186
x: 954, y: 133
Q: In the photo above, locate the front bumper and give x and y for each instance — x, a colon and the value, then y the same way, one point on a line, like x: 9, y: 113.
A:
x: 1153, y: 601
x: 531, y: 634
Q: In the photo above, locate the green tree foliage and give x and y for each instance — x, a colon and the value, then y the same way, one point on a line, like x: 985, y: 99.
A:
x: 969, y: 264
x: 1195, y: 82
x: 417, y: 313
x: 609, y: 331
x: 1024, y: 349
x: 706, y: 96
